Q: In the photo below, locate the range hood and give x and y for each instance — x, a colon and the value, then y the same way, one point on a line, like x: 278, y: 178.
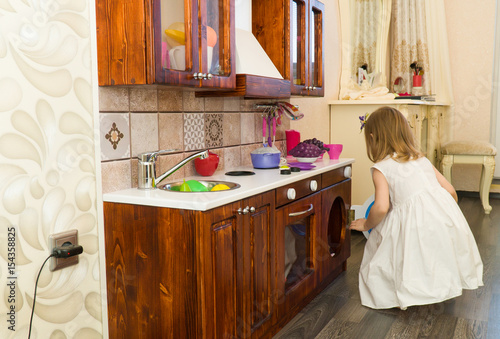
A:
x: 251, y: 57
x: 256, y: 74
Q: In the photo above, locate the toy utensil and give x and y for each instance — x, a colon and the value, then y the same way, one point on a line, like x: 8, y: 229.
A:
x: 274, y: 133
x: 264, y: 130
x: 269, y: 140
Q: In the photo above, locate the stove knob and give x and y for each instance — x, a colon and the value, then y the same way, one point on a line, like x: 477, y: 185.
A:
x: 291, y: 194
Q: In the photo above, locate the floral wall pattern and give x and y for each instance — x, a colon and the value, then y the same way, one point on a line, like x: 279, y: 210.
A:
x: 47, y: 168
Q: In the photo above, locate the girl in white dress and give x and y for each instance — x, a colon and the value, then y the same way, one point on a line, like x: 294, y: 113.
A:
x: 420, y: 250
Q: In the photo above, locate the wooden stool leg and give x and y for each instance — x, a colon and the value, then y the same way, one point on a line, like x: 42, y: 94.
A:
x: 485, y: 184
x: 446, y: 164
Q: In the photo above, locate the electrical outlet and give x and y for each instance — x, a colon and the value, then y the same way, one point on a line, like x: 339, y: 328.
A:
x: 58, y: 239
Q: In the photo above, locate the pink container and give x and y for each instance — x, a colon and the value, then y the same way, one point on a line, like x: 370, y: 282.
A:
x: 292, y: 139
x: 335, y: 150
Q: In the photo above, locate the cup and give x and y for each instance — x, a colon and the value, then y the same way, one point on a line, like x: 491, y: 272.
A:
x: 417, y: 81
x: 210, y: 52
x: 292, y: 139
x: 335, y: 150
x: 178, y: 58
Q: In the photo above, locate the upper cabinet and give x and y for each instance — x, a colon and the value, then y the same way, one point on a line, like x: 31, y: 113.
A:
x: 293, y: 39
x: 172, y: 42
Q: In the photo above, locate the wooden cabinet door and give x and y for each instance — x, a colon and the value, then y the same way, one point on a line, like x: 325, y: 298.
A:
x: 133, y: 46
x: 256, y: 273
x: 297, y: 225
x: 334, y: 240
x: 219, y: 258
x: 131, y: 272
x: 124, y: 42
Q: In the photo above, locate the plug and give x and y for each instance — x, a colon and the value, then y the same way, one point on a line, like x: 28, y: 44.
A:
x: 67, y: 250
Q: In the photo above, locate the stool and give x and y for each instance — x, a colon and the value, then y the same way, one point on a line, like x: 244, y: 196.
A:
x: 471, y: 152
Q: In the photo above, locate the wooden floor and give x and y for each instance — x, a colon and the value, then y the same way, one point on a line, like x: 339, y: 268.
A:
x: 337, y: 311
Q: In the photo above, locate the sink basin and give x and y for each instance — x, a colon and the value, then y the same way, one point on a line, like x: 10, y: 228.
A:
x: 208, y: 184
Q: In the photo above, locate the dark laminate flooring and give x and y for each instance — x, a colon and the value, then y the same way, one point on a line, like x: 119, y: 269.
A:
x: 338, y: 313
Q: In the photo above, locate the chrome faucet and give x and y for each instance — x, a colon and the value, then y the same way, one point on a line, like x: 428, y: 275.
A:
x: 146, y: 173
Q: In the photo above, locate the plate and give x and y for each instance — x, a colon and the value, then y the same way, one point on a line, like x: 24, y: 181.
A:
x: 311, y: 159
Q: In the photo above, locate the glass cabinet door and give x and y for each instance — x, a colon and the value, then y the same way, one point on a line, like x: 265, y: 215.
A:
x: 298, y: 42
x: 194, y: 41
x: 215, y: 38
x: 315, y: 47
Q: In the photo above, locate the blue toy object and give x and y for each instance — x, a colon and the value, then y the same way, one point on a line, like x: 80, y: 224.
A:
x: 367, y: 233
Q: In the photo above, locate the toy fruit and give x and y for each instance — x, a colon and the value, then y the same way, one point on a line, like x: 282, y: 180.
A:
x: 207, y: 167
x: 211, y: 37
x: 220, y: 187
x: 175, y: 34
x: 185, y: 187
x: 196, y: 186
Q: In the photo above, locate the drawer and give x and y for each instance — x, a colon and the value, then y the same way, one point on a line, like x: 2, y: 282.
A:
x: 335, y: 176
x: 297, y: 190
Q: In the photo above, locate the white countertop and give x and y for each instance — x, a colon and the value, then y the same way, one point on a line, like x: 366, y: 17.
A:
x: 263, y: 180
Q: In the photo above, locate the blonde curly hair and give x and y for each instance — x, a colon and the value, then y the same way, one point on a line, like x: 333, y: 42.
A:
x: 387, y: 133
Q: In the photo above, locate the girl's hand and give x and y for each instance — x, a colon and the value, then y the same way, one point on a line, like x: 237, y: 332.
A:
x: 358, y: 225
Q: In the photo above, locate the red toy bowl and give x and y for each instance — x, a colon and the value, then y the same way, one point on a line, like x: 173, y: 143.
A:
x: 207, y: 167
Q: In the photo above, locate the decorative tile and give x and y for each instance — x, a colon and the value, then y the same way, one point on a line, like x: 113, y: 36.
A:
x: 114, y: 135
x: 213, y: 130
x: 143, y: 99
x: 194, y: 131
x: 171, y: 131
x: 144, y: 132
x: 113, y: 99
x: 232, y: 129
x: 169, y: 100
x: 115, y: 175
x: 247, y: 128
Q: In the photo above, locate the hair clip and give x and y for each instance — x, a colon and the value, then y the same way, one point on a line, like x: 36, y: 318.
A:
x: 362, y: 120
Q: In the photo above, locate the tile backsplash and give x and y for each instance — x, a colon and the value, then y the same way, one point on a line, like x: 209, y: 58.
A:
x: 144, y: 119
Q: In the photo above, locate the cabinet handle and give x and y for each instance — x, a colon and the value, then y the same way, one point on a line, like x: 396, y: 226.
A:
x: 252, y: 209
x: 246, y: 210
x: 294, y: 214
x: 209, y: 76
x: 240, y: 211
x: 291, y: 194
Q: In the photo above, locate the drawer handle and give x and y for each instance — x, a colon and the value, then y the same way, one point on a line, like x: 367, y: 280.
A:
x: 294, y: 214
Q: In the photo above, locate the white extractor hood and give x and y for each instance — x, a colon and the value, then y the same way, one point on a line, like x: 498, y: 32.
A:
x: 250, y: 56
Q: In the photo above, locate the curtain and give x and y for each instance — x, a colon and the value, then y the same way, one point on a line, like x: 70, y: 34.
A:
x: 365, y: 31
x: 410, y: 43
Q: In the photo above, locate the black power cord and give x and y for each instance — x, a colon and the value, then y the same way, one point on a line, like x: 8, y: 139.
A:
x: 65, y: 251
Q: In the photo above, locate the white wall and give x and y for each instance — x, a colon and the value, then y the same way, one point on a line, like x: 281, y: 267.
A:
x: 315, y: 123
x: 471, y: 28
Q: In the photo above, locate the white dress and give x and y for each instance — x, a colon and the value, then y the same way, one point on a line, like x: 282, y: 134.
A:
x: 423, y: 251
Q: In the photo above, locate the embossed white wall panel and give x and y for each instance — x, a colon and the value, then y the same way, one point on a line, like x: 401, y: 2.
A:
x: 48, y: 167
